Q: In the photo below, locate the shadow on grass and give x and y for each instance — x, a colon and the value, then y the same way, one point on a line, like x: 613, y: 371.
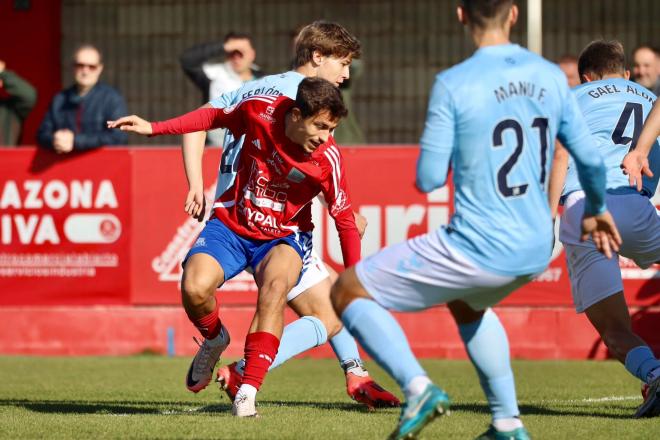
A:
x: 121, y: 407
x: 575, y: 410
x: 187, y: 408
x: 161, y: 408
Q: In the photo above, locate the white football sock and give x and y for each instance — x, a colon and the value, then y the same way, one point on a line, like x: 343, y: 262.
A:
x: 416, y: 386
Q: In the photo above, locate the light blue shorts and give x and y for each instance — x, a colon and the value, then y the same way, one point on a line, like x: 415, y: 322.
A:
x: 426, y: 271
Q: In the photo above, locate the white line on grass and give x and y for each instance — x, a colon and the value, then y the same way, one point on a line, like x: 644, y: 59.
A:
x: 586, y: 400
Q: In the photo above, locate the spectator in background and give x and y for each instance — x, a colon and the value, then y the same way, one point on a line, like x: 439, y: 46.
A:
x: 646, y: 67
x: 349, y: 131
x: 569, y: 65
x: 17, y: 98
x: 220, y: 67
x: 76, y: 118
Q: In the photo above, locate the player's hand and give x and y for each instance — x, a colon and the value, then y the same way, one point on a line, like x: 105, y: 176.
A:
x: 360, y: 223
x: 196, y: 204
x: 133, y: 124
x: 603, y: 232
x: 634, y: 165
x: 63, y: 141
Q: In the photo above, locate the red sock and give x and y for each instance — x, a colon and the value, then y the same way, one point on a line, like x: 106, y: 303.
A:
x: 260, y: 351
x: 209, y: 326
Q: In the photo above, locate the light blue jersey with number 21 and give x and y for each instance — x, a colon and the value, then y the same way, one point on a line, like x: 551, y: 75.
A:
x: 493, y: 118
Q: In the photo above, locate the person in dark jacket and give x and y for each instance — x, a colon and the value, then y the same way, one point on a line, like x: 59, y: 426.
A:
x: 76, y: 119
x: 17, y: 98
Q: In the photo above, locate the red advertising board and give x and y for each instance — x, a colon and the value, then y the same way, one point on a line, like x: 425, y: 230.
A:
x: 108, y: 227
x: 65, y: 227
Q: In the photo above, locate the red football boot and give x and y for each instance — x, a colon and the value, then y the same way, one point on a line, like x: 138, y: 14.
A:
x: 363, y: 389
x: 229, y: 378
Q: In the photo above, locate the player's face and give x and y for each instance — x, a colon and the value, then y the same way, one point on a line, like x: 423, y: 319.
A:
x: 645, y: 70
x: 570, y: 69
x: 334, y: 69
x: 313, y: 131
x: 87, y: 68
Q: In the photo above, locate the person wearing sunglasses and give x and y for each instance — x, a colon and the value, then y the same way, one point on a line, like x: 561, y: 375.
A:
x: 76, y: 117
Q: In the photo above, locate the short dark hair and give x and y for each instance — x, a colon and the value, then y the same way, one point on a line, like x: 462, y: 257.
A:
x: 653, y: 49
x: 485, y: 13
x: 316, y: 95
x: 329, y: 39
x: 237, y: 36
x: 602, y: 57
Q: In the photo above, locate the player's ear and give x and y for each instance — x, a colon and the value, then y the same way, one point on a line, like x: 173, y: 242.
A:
x: 626, y: 74
x: 513, y: 15
x: 460, y: 14
x: 296, y: 114
x: 317, y: 57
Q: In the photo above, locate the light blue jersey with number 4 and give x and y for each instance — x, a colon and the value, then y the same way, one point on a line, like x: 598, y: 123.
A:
x: 615, y: 110
x: 272, y: 85
x: 494, y: 119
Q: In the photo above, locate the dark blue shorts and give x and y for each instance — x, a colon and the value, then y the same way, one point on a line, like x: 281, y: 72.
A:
x: 235, y: 253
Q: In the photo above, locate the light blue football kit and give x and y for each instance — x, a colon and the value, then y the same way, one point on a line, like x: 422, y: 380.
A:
x: 493, y: 120
x: 615, y: 110
x: 307, y: 332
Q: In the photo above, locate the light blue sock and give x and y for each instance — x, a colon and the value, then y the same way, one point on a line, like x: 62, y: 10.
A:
x: 344, y: 346
x: 488, y: 347
x: 299, y: 336
x: 640, y: 362
x: 382, y: 337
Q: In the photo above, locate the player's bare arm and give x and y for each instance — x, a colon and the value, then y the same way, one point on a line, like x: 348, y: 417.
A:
x: 193, y: 151
x: 636, y: 164
x: 557, y: 178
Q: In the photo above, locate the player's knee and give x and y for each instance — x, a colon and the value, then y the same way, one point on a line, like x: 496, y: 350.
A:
x: 273, y: 294
x: 196, y: 291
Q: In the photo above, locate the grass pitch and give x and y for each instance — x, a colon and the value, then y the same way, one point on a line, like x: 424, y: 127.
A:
x: 145, y: 397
